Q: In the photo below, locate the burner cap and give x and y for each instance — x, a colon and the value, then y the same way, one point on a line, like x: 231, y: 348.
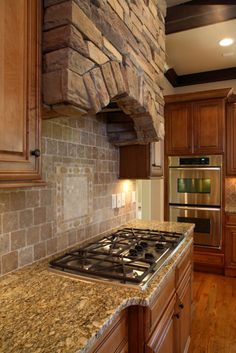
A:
x: 139, y: 247
x: 149, y: 256
x: 160, y: 245
x: 144, y: 244
x: 133, y: 252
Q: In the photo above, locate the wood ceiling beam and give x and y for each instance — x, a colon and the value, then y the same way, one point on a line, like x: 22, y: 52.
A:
x: 200, y: 77
x: 198, y: 13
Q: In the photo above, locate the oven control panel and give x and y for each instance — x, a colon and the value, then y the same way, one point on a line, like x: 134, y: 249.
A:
x: 194, y: 161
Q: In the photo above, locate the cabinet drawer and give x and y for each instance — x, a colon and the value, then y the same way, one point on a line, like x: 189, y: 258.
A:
x: 153, y: 314
x: 115, y: 339
x: 210, y: 259
x: 230, y: 219
x: 182, y: 266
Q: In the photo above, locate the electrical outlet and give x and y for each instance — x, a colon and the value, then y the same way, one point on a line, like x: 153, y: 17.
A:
x: 123, y: 199
x: 118, y: 201
x: 113, y: 201
x: 133, y: 196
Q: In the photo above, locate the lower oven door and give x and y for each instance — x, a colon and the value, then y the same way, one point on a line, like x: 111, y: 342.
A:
x: 207, y: 220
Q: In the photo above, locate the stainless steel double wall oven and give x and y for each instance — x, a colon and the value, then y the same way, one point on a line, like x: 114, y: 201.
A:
x: 195, y: 196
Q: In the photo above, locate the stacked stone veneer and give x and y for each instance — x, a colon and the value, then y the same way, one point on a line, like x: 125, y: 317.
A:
x: 98, y: 51
x: 32, y: 226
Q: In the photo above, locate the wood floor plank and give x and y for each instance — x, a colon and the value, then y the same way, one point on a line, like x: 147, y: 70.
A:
x: 214, y: 314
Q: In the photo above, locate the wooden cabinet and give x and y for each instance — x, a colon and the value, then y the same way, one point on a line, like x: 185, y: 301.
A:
x: 178, y: 135
x: 194, y: 123
x: 231, y: 138
x: 142, y: 161
x: 115, y: 339
x: 161, y: 327
x: 168, y: 320
x: 208, y: 260
x: 20, y: 56
x: 230, y: 245
x: 163, y: 338
x: 183, y: 303
x: 208, y: 126
x: 183, y: 316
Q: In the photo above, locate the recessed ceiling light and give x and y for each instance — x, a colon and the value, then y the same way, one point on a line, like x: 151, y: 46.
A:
x: 226, y: 41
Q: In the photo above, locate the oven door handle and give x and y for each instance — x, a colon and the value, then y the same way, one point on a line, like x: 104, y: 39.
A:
x: 196, y: 168
x: 196, y: 208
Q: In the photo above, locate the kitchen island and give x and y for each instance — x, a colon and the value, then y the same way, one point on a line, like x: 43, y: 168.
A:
x: 44, y: 312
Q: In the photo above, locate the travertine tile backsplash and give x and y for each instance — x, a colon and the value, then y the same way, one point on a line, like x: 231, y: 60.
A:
x: 77, y: 161
x: 230, y: 191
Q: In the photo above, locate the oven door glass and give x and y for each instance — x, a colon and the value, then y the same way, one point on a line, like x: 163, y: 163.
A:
x: 198, y: 186
x: 207, y: 231
x: 194, y: 185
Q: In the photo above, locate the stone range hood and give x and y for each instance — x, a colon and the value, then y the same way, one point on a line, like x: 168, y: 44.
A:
x: 101, y: 54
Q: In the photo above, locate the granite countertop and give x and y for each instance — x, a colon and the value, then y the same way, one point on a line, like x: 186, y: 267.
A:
x: 230, y: 208
x: 44, y: 312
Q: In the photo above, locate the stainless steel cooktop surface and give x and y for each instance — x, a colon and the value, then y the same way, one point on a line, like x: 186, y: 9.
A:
x: 129, y: 256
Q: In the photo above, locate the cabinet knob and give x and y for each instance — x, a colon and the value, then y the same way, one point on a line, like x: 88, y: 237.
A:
x: 181, y: 305
x: 36, y: 153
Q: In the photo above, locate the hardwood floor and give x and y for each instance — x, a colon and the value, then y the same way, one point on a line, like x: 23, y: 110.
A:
x: 214, y: 314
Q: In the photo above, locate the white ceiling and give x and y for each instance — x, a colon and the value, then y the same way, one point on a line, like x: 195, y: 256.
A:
x: 197, y: 50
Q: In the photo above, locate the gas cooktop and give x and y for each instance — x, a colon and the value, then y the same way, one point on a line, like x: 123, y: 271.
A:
x: 129, y: 256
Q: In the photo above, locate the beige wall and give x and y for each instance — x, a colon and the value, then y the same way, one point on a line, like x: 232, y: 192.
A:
x: 151, y: 199
x: 81, y: 171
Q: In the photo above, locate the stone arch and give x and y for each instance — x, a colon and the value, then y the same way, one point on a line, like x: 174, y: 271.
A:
x: 75, y: 95
x: 83, y: 73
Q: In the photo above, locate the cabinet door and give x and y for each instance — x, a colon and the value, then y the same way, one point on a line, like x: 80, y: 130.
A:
x: 208, y: 126
x: 230, y: 247
x: 135, y: 162
x: 115, y: 340
x: 162, y: 339
x: 19, y: 90
x: 183, y: 320
x: 231, y: 139
x: 178, y: 120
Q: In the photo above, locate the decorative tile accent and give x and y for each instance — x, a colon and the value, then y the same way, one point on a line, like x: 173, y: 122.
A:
x: 74, y: 191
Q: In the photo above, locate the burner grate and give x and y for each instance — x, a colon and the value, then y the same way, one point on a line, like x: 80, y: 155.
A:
x: 100, y: 264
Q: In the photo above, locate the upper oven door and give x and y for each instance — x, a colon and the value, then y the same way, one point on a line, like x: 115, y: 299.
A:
x: 195, y: 186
